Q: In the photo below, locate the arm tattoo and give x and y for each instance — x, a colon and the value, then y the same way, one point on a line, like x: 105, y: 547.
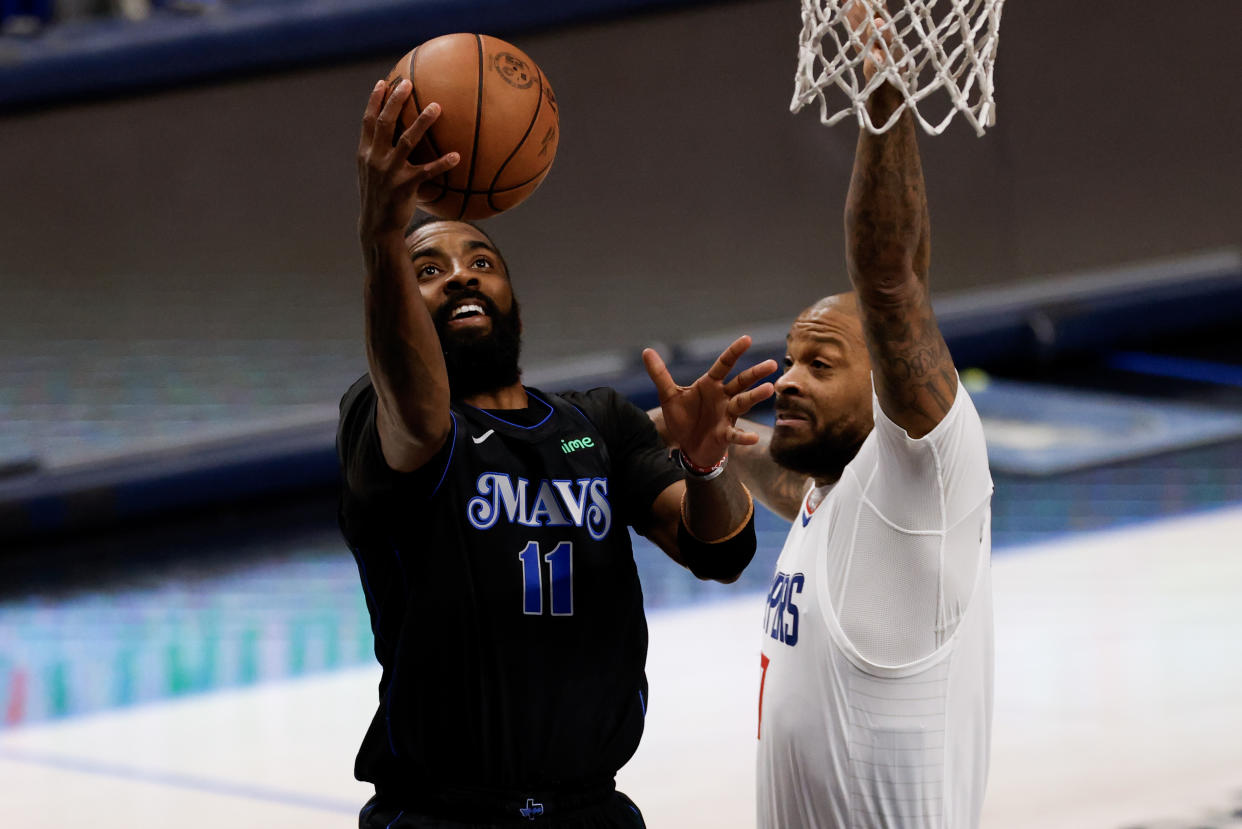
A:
x: 887, y: 254
x: 783, y: 491
x: 914, y: 374
x: 777, y: 488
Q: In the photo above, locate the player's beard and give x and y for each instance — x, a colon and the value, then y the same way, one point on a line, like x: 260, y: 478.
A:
x: 480, y: 363
x: 823, y: 457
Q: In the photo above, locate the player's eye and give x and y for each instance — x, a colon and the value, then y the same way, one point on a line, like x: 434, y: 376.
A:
x: 482, y: 262
x: 427, y: 271
x: 787, y: 363
x: 820, y: 365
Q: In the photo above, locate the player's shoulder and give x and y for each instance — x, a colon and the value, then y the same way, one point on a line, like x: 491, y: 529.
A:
x: 961, y: 430
x: 596, y: 396
x: 955, y: 447
x: 960, y: 422
x: 601, y: 405
x: 624, y: 426
x: 896, y: 470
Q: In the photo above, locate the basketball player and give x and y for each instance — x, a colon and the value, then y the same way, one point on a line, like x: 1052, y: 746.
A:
x: 875, y: 694
x: 489, y: 523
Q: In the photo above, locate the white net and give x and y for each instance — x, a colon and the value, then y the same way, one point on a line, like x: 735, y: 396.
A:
x: 939, y: 53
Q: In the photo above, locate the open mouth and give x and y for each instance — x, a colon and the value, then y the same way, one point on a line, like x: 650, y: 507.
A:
x: 467, y: 314
x: 466, y: 311
x: 790, y: 417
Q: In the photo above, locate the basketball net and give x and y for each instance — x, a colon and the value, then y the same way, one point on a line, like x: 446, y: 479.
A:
x: 937, y: 46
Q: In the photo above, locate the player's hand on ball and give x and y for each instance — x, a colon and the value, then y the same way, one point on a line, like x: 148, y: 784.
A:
x: 387, y: 182
x: 700, y: 418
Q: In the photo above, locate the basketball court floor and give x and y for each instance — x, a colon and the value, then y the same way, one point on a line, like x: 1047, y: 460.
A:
x: 1118, y: 706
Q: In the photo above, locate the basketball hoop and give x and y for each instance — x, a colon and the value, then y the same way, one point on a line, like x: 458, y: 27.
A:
x: 938, y: 46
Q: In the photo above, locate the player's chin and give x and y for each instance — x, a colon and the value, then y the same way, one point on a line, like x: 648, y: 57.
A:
x: 468, y: 329
x: 788, y: 440
x: 792, y: 430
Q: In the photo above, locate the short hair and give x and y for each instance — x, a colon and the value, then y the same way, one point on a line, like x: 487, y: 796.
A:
x: 420, y: 219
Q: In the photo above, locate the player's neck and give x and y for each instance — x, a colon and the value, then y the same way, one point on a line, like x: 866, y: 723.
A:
x: 822, y: 481
x: 509, y: 397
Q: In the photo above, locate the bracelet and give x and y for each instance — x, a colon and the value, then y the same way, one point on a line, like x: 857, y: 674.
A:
x: 723, y: 559
x: 699, y: 473
x: 750, y: 516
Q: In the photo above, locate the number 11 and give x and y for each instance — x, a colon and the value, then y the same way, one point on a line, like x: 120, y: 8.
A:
x: 560, y: 574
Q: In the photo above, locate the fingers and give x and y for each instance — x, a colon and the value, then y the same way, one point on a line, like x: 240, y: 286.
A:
x: 869, y: 28
x: 415, y: 131
x: 659, y: 375
x: 855, y: 14
x: 740, y: 437
x: 720, y: 369
x: 420, y: 173
x: 386, y: 122
x: 412, y: 176
x: 441, y: 165
x: 742, y: 403
x: 725, y: 362
x: 884, y: 32
x: 370, y: 114
x: 379, y: 124
x: 750, y: 376
x: 871, y: 31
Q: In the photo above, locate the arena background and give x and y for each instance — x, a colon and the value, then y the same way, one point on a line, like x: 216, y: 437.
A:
x: 181, y: 631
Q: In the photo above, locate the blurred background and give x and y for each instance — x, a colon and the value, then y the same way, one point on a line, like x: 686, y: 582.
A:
x: 181, y: 628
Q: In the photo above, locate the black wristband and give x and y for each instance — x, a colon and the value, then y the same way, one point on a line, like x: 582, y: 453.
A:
x: 722, y: 560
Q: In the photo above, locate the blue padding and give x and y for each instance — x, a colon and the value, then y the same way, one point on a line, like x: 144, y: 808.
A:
x: 1036, y: 429
x: 132, y: 488
x: 1178, y: 368
x: 114, y: 56
x: 1091, y: 312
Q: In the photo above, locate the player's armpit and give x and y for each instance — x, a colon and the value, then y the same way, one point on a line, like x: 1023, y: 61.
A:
x: 912, y: 370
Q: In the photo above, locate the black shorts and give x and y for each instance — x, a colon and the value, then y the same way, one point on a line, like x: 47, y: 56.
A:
x: 598, y: 810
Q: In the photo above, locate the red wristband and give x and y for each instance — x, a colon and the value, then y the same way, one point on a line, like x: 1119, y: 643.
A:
x: 705, y: 472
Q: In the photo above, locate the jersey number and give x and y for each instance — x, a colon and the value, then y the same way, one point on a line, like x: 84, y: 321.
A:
x: 560, y: 561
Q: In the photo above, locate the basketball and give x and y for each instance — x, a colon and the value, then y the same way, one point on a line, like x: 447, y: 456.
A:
x: 497, y: 110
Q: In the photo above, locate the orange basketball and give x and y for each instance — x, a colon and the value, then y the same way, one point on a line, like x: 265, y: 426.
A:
x: 497, y: 110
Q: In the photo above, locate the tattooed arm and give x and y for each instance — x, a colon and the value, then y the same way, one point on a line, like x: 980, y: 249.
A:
x: 774, y: 486
x: 887, y: 233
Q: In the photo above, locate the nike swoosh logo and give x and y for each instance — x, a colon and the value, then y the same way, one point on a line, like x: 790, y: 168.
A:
x: 484, y: 436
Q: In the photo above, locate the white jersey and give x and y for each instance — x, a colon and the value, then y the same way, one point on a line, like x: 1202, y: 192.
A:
x: 875, y: 699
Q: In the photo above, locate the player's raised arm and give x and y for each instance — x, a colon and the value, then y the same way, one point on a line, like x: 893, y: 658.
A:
x: 887, y: 255
x: 403, y: 350
x: 707, y: 522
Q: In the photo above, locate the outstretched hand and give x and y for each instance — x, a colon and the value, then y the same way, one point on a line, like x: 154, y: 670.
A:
x: 701, y: 418
x: 388, y: 183
x: 875, y: 34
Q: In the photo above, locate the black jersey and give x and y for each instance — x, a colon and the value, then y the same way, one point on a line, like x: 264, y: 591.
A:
x: 504, y: 598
